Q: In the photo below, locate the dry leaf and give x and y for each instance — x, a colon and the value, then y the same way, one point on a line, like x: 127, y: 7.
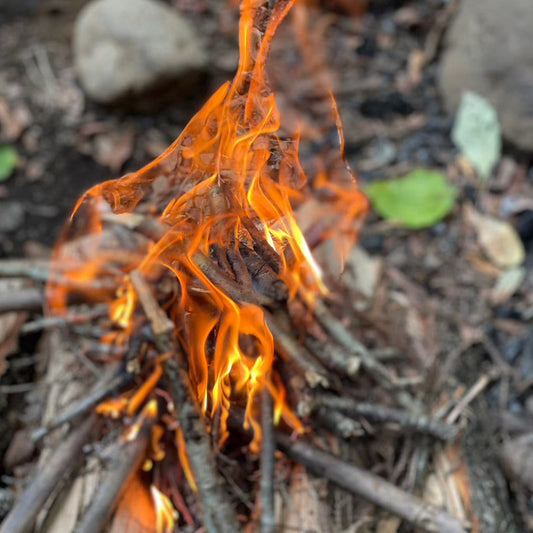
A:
x: 498, y: 239
x: 507, y: 284
x: 389, y: 525
x: 13, y: 121
x: 113, y: 149
x: 363, y: 271
x: 303, y: 510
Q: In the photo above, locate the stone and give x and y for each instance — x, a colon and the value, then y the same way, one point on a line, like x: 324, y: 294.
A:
x: 129, y: 49
x: 488, y: 51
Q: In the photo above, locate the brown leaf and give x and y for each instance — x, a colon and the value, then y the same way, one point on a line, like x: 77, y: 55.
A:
x: 303, y: 510
x: 498, y: 239
x: 13, y: 121
x: 113, y: 149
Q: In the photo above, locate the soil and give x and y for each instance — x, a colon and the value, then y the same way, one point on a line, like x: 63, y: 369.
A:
x: 434, y: 302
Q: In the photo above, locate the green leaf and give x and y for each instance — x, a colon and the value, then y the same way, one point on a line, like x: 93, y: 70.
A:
x: 8, y: 161
x: 417, y: 200
x: 476, y: 132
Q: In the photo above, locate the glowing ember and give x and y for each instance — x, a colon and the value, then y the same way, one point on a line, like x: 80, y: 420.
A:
x: 227, y: 187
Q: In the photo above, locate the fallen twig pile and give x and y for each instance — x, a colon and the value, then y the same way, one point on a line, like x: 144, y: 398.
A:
x: 217, y: 329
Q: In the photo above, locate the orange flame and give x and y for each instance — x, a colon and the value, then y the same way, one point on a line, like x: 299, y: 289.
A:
x: 228, y: 178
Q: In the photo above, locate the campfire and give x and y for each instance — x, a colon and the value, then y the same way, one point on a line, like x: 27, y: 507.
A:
x: 219, y: 343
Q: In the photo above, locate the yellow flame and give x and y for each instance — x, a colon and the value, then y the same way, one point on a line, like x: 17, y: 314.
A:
x: 166, y: 515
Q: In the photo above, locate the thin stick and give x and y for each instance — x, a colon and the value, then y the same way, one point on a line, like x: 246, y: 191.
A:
x: 338, y: 424
x: 382, y: 413
x: 102, y: 390
x: 22, y: 300
x: 126, y: 459
x: 37, y: 269
x: 62, y: 462
x: 477, y: 388
x: 267, y: 521
x: 218, y: 514
x: 296, y: 354
x: 334, y: 358
x: 379, y: 372
x: 370, y: 487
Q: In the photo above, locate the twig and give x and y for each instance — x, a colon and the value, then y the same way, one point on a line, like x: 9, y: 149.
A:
x: 39, y: 324
x: 334, y: 358
x: 101, y: 391
x: 21, y: 300
x: 218, y: 514
x: 267, y: 521
x: 296, y: 354
x: 63, y: 461
x: 370, y: 487
x: 379, y: 372
x: 382, y: 413
x: 126, y: 458
x: 37, y: 269
x: 477, y: 388
x: 338, y: 424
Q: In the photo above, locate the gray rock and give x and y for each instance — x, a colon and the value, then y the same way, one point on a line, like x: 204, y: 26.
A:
x: 488, y: 51
x: 128, y: 48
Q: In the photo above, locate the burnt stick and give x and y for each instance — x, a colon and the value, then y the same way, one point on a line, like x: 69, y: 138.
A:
x: 218, y: 514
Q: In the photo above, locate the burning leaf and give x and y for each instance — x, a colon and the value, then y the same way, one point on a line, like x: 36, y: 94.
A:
x: 498, y: 239
x: 136, y: 511
x: 417, y: 200
x: 477, y: 134
x: 8, y: 161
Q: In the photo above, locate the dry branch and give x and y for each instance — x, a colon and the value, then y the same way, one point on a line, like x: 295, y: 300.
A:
x: 63, y: 461
x: 101, y: 391
x: 29, y: 299
x: 37, y: 269
x: 382, y: 413
x: 126, y: 457
x: 370, y: 487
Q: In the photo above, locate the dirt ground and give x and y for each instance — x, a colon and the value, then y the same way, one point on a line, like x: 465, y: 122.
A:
x: 434, y: 302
